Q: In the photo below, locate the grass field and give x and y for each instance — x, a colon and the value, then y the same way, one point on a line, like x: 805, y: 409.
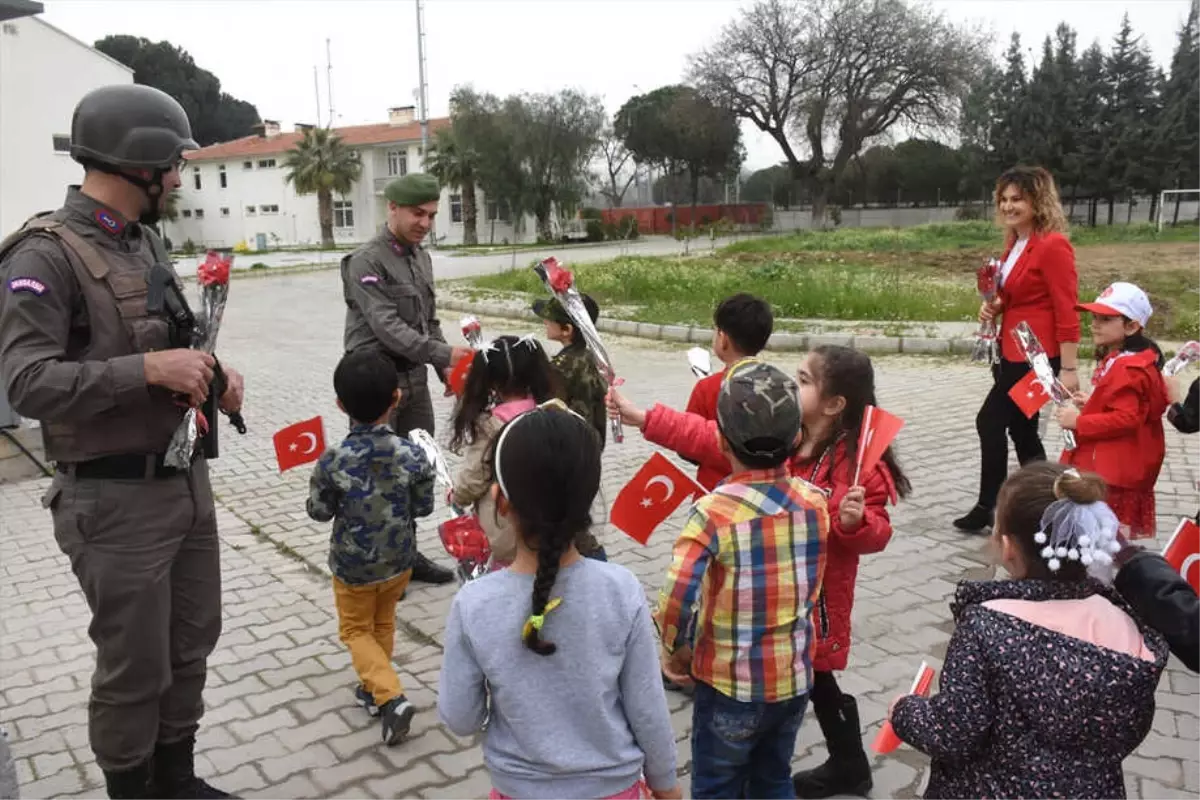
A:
x: 919, y: 274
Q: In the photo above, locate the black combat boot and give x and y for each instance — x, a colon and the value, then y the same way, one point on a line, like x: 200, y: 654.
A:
x: 977, y: 520
x: 129, y: 783
x: 847, y: 770
x: 175, y: 773
x: 425, y: 571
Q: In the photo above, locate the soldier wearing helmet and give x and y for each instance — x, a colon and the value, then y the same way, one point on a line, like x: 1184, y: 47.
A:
x: 109, y: 381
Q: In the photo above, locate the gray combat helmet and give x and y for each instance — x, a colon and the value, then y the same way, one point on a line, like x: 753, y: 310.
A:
x: 129, y: 126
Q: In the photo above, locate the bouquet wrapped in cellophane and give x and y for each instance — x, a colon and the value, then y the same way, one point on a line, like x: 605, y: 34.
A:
x: 1035, y: 354
x: 1187, y: 354
x: 461, y: 535
x: 987, y: 338
x: 212, y: 276
x: 561, y: 283
x: 472, y: 331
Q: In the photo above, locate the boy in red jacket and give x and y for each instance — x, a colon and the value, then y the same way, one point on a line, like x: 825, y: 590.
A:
x: 1119, y: 429
x: 742, y: 325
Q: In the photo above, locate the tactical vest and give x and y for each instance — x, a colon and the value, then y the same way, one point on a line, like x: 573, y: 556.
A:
x: 114, y: 293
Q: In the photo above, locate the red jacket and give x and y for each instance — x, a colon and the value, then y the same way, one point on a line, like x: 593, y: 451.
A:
x: 1042, y: 289
x: 1119, y: 434
x: 697, y: 439
x: 704, y: 403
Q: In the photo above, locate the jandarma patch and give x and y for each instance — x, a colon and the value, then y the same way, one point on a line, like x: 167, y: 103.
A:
x: 31, y: 285
x: 369, y: 279
x: 108, y: 221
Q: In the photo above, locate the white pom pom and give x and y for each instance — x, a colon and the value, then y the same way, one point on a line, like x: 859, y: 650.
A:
x: 1073, y: 554
x: 1085, y: 540
x: 1103, y: 558
x: 1086, y: 559
x: 1047, y: 552
x: 1061, y: 552
x: 1054, y: 564
x: 1040, y: 537
x: 1114, y: 547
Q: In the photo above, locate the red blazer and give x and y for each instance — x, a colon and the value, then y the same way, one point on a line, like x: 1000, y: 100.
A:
x: 1043, y: 290
x: 703, y: 402
x: 696, y: 439
x: 1119, y: 434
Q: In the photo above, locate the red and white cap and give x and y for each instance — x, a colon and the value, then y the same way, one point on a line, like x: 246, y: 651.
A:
x: 1121, y: 299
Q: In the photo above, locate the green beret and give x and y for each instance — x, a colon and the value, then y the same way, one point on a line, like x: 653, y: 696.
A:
x: 414, y: 189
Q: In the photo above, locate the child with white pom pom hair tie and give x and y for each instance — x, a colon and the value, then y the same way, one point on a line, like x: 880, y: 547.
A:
x: 1048, y: 682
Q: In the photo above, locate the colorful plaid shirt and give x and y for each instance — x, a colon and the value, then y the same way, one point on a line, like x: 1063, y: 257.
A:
x: 745, y: 575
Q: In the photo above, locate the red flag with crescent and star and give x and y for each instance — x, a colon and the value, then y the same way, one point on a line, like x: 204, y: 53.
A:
x: 1183, y: 551
x: 300, y: 443
x: 1029, y: 394
x: 651, y: 496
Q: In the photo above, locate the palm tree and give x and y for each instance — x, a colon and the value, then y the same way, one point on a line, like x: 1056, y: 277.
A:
x: 321, y: 163
x: 455, y: 166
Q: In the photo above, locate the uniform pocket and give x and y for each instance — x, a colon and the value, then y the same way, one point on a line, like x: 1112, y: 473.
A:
x: 407, y: 301
x: 148, y: 333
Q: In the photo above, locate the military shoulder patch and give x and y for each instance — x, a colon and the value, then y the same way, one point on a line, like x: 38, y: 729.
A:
x: 31, y: 285
x: 369, y: 279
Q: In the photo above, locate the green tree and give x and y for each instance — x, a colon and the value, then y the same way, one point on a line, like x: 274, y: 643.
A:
x: 1132, y: 110
x: 1178, y: 134
x: 214, y: 115
x: 978, y: 120
x: 771, y: 185
x: 928, y: 172
x: 453, y: 163
x: 320, y: 163
x: 1012, y: 133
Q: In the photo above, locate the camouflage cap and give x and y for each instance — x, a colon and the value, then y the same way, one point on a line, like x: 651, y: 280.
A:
x: 414, y: 189
x: 553, y: 310
x: 758, y: 412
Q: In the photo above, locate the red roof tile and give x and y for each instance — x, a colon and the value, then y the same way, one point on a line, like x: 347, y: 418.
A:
x: 353, y: 135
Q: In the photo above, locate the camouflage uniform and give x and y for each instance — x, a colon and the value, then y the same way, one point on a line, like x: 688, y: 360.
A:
x: 583, y: 385
x: 374, y: 486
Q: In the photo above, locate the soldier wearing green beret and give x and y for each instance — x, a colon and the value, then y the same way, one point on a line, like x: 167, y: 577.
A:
x: 390, y: 306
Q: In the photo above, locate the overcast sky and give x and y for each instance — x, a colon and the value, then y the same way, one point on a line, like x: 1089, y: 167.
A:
x: 264, y: 51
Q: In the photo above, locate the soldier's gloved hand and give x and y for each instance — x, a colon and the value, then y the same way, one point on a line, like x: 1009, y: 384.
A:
x: 186, y: 372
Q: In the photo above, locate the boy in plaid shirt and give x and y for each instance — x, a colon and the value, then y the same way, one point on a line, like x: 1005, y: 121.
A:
x: 745, y: 575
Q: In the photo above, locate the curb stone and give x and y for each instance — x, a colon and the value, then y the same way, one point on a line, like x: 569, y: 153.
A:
x: 782, y: 341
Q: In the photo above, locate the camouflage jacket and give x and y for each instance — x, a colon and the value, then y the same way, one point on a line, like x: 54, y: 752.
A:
x: 583, y: 386
x: 374, y: 486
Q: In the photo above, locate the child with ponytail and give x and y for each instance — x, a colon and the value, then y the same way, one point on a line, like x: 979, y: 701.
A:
x: 557, y: 654
x: 1049, y: 680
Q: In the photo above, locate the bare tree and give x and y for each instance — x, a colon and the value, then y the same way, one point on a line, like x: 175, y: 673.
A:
x: 615, y: 181
x: 836, y: 74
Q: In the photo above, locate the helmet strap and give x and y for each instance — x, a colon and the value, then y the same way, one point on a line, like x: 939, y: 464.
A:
x: 151, y: 188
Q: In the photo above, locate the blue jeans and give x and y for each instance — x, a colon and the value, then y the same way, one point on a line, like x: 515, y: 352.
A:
x: 743, y: 749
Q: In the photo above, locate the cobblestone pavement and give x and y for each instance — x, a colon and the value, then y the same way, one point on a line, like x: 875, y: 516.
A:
x: 280, y: 722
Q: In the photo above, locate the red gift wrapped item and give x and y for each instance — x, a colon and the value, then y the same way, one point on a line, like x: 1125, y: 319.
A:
x: 464, y: 539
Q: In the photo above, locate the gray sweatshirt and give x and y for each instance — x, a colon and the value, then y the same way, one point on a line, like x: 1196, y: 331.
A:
x: 586, y: 721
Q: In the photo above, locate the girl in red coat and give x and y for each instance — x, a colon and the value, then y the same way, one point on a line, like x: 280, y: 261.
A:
x: 836, y: 385
x: 1119, y: 430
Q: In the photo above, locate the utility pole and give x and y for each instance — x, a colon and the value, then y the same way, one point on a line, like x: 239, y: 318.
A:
x: 423, y: 89
x: 329, y: 80
x: 317, y: 92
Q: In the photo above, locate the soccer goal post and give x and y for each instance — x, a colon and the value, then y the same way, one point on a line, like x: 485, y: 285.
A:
x: 1162, y: 204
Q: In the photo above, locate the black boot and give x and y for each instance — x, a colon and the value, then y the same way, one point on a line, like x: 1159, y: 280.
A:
x: 977, y: 520
x: 847, y: 770
x: 425, y: 571
x: 129, y: 783
x: 175, y: 773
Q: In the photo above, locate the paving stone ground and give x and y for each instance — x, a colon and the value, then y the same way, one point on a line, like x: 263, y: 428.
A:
x: 280, y: 722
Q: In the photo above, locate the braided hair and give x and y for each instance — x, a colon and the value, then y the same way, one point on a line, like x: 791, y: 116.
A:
x: 547, y: 463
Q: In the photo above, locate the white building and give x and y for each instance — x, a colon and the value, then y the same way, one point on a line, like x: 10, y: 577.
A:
x: 236, y: 191
x: 44, y: 73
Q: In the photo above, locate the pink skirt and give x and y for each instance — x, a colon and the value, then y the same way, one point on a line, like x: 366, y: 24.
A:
x: 639, y: 791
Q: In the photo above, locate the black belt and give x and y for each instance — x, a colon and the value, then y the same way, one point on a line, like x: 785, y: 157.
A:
x: 128, y: 467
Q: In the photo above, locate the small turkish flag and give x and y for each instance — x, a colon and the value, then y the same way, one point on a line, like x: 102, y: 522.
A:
x: 1029, y: 394
x: 879, y: 429
x: 887, y: 740
x: 651, y: 496
x: 457, y: 381
x: 300, y: 443
x: 1183, y: 551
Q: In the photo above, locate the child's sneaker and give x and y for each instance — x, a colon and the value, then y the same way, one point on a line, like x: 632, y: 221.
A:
x: 396, y: 715
x: 366, y: 700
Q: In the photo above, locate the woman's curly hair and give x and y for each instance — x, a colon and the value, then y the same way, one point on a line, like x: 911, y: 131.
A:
x: 1037, y: 184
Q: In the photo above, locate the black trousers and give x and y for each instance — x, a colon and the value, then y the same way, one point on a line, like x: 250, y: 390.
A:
x: 999, y: 419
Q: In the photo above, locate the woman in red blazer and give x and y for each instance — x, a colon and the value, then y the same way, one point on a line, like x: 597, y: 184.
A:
x: 1039, y: 286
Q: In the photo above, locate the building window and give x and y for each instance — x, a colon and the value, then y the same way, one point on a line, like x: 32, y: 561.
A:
x: 266, y: 163
x: 187, y: 213
x: 271, y: 209
x: 247, y: 165
x: 199, y: 213
x: 343, y: 214
x: 222, y: 177
x: 397, y: 163
x: 224, y: 212
x: 196, y: 177
x: 456, y: 208
x: 497, y: 211
x: 249, y: 211
x: 62, y: 143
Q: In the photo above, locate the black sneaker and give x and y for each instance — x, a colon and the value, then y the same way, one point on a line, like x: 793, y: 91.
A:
x: 366, y: 700
x: 396, y: 716
x: 977, y: 520
x: 425, y: 571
